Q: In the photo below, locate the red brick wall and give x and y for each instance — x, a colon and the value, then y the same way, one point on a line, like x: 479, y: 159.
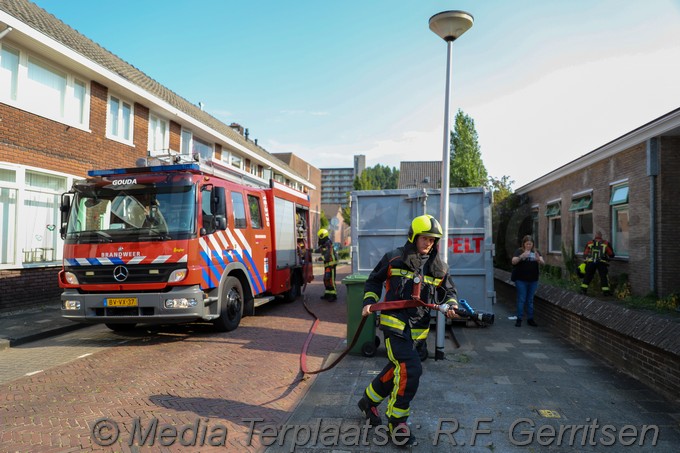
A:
x: 28, y: 139
x: 630, y: 164
x: 23, y: 288
x: 175, y: 136
x: 668, y: 217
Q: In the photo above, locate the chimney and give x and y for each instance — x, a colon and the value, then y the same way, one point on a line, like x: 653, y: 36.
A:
x: 237, y: 127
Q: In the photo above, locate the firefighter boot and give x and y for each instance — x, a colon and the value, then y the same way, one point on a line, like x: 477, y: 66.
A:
x: 370, y: 411
x: 401, y: 433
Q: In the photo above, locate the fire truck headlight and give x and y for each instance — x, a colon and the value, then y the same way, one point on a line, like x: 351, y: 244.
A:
x: 71, y: 278
x: 177, y: 275
x: 181, y: 302
x: 70, y: 305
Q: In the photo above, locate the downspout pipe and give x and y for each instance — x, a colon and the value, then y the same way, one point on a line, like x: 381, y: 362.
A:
x: 5, y: 32
x: 652, y: 172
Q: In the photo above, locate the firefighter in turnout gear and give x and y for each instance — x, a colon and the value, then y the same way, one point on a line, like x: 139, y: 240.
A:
x: 412, y: 271
x: 597, y: 254
x: 330, y: 261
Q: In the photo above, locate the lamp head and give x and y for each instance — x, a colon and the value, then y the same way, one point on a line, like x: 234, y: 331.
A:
x: 449, y: 25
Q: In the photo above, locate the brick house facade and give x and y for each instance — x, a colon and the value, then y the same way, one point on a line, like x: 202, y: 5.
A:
x: 629, y: 190
x: 68, y: 106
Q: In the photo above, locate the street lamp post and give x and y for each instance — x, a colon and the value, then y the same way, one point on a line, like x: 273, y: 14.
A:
x: 448, y: 25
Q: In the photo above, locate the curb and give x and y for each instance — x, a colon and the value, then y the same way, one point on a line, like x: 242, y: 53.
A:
x: 12, y: 342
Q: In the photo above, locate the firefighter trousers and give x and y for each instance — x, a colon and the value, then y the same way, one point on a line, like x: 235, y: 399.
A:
x: 398, y: 381
x: 329, y: 283
x: 601, y: 268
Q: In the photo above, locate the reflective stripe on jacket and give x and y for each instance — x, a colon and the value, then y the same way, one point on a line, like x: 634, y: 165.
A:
x: 598, y: 250
x: 396, y: 270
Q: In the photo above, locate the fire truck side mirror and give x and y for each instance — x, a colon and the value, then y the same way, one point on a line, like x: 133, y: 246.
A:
x: 64, y: 208
x: 220, y: 222
x: 218, y: 202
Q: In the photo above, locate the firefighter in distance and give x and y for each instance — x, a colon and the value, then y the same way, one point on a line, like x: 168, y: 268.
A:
x: 597, y: 254
x: 412, y: 271
x: 330, y: 262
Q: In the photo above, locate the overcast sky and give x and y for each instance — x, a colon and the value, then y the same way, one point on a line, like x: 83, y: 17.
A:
x: 544, y: 81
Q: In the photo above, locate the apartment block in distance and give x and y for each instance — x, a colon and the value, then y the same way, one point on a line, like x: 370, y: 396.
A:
x: 336, y: 183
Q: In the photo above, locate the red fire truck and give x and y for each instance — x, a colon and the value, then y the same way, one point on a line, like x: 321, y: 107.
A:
x: 177, y: 243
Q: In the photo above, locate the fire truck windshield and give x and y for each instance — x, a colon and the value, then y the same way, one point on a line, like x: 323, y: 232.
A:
x: 131, y: 213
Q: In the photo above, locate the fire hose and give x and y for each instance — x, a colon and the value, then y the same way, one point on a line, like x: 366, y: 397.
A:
x: 464, y: 310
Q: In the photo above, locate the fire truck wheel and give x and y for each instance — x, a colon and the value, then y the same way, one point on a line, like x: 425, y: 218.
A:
x: 293, y: 293
x: 232, y: 306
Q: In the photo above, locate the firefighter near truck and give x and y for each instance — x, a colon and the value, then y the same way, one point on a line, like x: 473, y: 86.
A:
x: 182, y: 242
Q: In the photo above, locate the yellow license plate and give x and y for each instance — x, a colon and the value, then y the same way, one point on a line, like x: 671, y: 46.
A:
x: 121, y: 302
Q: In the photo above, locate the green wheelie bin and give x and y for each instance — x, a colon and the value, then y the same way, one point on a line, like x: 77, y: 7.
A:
x: 368, y: 342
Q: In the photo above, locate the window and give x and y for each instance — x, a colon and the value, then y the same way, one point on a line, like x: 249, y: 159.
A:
x: 202, y: 148
x: 581, y: 204
x: 236, y: 161
x: 620, y: 229
x: 255, y: 212
x: 29, y: 216
x: 78, y: 107
x: 36, y: 86
x: 9, y: 73
x: 159, y: 136
x: 119, y: 125
x: 8, y: 218
x: 186, y: 142
x: 554, y: 227
x: 239, y: 210
x: 208, y: 219
x: 583, y: 221
x: 192, y: 145
x: 45, y: 87
x: 41, y: 216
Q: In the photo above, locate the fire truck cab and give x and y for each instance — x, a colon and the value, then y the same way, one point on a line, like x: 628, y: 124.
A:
x: 178, y: 243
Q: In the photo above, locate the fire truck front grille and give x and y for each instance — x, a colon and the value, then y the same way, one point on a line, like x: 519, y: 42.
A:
x: 138, y: 273
x: 124, y: 311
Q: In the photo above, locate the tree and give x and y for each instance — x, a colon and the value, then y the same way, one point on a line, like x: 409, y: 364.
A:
x: 347, y: 215
x: 500, y: 188
x: 378, y: 177
x: 467, y: 168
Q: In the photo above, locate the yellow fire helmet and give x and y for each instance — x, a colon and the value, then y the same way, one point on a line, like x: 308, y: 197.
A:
x: 323, y: 233
x: 424, y: 225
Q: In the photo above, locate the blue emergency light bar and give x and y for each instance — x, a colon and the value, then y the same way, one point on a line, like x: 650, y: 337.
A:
x: 155, y: 168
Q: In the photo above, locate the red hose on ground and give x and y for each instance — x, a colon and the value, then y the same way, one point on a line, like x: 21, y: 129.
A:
x: 383, y: 306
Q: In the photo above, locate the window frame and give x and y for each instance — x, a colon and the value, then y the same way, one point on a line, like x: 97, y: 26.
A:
x: 118, y: 134
x: 554, y: 215
x: 17, y: 233
x: 582, y: 207
x: 155, y: 134
x: 620, y: 205
x: 188, y: 141
x: 254, y: 201
x: 238, y: 210
x: 72, y: 110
